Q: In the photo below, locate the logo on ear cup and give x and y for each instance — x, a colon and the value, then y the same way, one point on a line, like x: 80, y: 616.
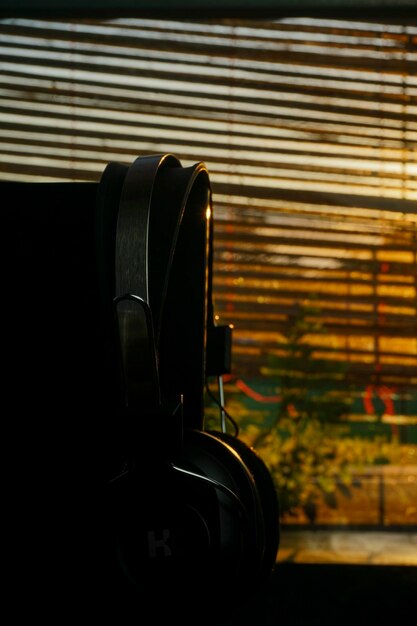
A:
x: 159, y: 546
x: 159, y: 557
x: 191, y: 524
x: 166, y: 531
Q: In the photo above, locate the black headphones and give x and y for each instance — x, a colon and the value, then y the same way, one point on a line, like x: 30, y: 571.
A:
x: 188, y: 512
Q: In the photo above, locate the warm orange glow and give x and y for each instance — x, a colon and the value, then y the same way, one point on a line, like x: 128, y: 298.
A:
x: 308, y: 130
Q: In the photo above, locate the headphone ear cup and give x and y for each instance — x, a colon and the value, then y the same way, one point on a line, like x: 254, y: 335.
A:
x: 242, y: 538
x: 197, y: 525
x: 268, y: 499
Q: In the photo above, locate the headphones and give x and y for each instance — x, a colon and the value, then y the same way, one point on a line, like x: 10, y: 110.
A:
x: 188, y: 512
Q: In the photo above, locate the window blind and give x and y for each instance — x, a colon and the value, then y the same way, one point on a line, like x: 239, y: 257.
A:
x: 308, y: 128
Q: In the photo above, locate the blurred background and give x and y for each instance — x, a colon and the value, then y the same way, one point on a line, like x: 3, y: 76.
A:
x: 308, y: 127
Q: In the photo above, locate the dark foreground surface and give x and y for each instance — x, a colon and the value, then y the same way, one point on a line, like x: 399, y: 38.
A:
x: 337, y: 595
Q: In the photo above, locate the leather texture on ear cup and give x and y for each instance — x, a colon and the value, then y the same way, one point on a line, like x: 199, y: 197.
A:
x: 203, y: 509
x: 267, y: 495
x: 218, y: 460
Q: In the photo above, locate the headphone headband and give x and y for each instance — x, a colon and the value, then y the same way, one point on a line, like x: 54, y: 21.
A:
x: 158, y: 283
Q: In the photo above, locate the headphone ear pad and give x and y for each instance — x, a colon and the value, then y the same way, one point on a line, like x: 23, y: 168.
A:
x: 268, y: 499
x: 243, y: 541
x: 217, y: 500
x: 197, y: 523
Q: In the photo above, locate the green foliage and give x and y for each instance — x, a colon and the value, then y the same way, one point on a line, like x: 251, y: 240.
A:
x: 305, y: 443
x: 308, y: 463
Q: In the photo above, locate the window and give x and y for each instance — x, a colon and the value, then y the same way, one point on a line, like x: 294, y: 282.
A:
x: 308, y: 128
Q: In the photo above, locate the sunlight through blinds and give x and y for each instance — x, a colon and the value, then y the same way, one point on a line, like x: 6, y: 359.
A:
x: 308, y: 128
